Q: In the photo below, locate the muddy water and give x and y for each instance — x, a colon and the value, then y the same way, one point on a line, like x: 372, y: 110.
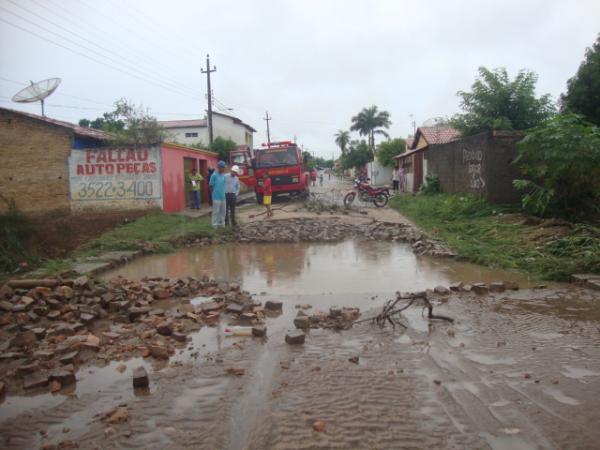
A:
x: 345, y: 267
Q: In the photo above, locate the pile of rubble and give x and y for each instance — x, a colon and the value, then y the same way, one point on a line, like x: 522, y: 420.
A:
x: 337, y: 318
x: 333, y: 229
x: 48, y: 327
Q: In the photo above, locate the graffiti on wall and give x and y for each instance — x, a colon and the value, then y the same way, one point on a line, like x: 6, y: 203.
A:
x: 473, y: 159
x: 115, y: 177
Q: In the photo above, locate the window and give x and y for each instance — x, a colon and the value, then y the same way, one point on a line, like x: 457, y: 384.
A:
x: 188, y: 135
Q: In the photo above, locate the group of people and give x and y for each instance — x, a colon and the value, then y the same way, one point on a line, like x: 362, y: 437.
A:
x: 224, y: 188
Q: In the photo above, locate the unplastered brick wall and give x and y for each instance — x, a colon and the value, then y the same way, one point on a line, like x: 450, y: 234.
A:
x: 33, y: 164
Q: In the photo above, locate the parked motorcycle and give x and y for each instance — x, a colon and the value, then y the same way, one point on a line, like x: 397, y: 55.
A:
x: 363, y: 184
x: 366, y: 193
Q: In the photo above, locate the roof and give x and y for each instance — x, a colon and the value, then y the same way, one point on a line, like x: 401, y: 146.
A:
x: 410, y: 140
x: 79, y: 131
x: 191, y: 123
x: 195, y: 123
x: 185, y: 147
x: 439, y: 134
x: 409, y: 153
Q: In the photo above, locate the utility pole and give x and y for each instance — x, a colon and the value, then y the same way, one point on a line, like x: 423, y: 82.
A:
x: 208, y: 71
x: 267, y: 118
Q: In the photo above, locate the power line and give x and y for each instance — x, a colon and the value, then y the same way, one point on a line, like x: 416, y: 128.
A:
x: 160, y: 82
x: 126, y: 60
x: 87, y: 56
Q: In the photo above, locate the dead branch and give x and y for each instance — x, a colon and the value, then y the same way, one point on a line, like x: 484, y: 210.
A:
x: 390, y: 311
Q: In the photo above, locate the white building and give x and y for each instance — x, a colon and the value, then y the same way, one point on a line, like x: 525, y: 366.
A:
x: 188, y: 132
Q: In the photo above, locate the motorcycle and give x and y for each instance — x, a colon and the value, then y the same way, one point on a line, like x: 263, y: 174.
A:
x: 366, y: 193
x: 363, y: 184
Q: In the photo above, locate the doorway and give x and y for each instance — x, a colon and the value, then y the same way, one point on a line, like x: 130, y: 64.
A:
x: 188, y: 165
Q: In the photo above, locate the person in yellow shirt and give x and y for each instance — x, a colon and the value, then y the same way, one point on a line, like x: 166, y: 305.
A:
x: 195, y: 179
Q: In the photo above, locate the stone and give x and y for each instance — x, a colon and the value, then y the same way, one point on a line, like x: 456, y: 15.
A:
x: 238, y: 371
x: 25, y: 300
x: 87, y: 318
x: 441, y: 290
x: 6, y: 306
x: 64, y: 377
x: 234, y: 308
x: 335, y: 311
x: 179, y: 337
x: 35, y: 381
x: 110, y: 336
x: 497, y: 286
x: 157, y: 312
x: 137, y: 312
x: 511, y: 285
x: 456, y: 287
x: 273, y: 305
x: 43, y: 354
x: 593, y: 284
x: 119, y: 415
x: 140, y: 377
x: 192, y: 316
x: 165, y: 328
x: 6, y: 291
x: 55, y: 386
x: 296, y: 337
x: 24, y: 339
x: 159, y: 351
x: 210, y: 306
x: 65, y: 292
x: 82, y: 282
x: 69, y: 358
x: 259, y: 331
x: 62, y: 330
x: 480, y: 288
x: 33, y: 317
x: 2, y: 389
x: 161, y: 294
x: 354, y: 359
x: 319, y: 425
x: 467, y: 287
x: 27, y: 369
x: 39, y: 332
x: 302, y: 322
x: 53, y: 315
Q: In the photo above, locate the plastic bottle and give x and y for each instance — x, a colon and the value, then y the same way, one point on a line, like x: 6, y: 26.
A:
x: 237, y: 331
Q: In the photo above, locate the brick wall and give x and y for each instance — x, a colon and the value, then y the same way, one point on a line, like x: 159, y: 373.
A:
x: 479, y: 165
x: 33, y: 164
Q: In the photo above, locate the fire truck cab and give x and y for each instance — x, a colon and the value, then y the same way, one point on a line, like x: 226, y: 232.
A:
x: 284, y: 162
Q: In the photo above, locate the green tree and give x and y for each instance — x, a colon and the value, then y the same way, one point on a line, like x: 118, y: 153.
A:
x: 497, y: 102
x: 369, y: 122
x: 560, y: 160
x: 129, y: 124
x: 357, y: 156
x: 223, y: 146
x: 388, y: 149
x: 309, y: 162
x: 342, y: 139
x: 583, y: 90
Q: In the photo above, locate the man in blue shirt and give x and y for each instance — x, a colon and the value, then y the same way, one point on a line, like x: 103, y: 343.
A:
x: 217, y: 186
x: 232, y: 190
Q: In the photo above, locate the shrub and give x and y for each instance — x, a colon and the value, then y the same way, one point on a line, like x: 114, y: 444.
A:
x: 432, y: 185
x: 14, y: 228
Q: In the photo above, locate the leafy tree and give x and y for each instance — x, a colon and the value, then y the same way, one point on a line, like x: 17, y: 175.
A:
x: 369, y: 122
x: 583, y: 90
x: 342, y: 139
x: 497, y: 102
x: 388, y: 149
x: 561, y: 164
x: 129, y: 124
x: 309, y: 162
x: 223, y: 146
x: 357, y: 156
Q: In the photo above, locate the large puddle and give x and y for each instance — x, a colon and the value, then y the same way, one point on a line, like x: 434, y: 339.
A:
x: 311, y: 269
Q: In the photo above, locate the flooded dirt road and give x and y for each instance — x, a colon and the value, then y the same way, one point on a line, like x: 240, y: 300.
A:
x: 517, y: 370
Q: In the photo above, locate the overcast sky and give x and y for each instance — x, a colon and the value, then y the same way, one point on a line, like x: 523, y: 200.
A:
x: 311, y: 64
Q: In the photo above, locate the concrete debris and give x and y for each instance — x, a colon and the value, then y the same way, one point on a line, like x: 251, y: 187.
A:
x: 140, y: 377
x: 296, y: 337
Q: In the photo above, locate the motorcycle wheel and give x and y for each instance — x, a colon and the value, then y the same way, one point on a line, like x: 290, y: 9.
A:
x: 380, y: 200
x: 349, y: 199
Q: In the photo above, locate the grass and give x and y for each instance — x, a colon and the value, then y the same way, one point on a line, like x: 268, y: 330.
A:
x: 157, y: 230
x: 496, y: 237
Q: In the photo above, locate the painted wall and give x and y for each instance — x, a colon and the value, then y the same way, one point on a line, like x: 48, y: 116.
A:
x: 479, y: 165
x: 178, y: 134
x: 115, y: 178
x: 222, y: 126
x: 175, y: 190
x: 379, y: 175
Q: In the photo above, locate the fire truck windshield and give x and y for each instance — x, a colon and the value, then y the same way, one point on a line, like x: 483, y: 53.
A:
x: 277, y: 157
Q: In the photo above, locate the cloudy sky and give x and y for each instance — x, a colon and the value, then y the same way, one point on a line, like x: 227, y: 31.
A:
x: 311, y: 64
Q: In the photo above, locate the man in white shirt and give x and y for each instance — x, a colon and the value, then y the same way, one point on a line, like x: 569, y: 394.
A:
x: 232, y: 190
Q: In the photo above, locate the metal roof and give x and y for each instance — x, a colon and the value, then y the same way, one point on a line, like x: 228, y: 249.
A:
x: 79, y: 131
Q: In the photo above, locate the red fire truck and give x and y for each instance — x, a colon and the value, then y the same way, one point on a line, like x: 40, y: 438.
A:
x: 284, y: 162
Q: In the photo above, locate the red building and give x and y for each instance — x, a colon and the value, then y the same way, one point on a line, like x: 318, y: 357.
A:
x: 177, y: 162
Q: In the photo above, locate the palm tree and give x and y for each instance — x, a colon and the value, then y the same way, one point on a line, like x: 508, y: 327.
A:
x: 369, y: 122
x: 342, y: 138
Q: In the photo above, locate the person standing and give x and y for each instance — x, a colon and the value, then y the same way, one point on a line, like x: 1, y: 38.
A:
x: 402, y: 179
x: 217, y: 186
x: 396, y: 178
x: 232, y: 190
x: 267, y: 193
x: 210, y: 172
x: 195, y: 180
x: 313, y: 176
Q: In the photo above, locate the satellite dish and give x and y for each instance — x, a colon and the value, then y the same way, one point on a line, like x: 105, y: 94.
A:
x: 37, y: 92
x: 434, y: 122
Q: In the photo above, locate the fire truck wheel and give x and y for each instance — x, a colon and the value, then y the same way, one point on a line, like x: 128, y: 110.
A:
x: 259, y: 198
